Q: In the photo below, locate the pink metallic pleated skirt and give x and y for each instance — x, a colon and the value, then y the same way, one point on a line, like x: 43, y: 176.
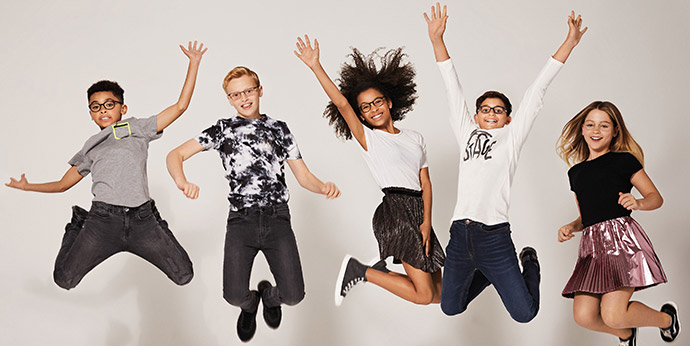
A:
x: 614, y: 254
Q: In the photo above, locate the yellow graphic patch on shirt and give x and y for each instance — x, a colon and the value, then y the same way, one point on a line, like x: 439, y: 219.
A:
x: 122, y: 130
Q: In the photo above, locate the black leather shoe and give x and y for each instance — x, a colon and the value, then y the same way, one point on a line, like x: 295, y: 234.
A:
x: 272, y: 315
x: 246, y: 323
x: 528, y: 254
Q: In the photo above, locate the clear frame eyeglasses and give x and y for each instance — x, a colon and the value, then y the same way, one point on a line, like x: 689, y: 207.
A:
x: 108, y: 104
x: 365, y: 107
x: 498, y: 110
x: 247, y: 92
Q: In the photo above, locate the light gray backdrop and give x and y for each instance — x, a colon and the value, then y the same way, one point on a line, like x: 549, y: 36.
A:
x: 634, y: 54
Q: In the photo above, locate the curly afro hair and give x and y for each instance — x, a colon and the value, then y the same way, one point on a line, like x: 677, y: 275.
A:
x: 395, y: 80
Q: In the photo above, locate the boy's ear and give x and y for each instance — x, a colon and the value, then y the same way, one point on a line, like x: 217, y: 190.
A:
x: 261, y: 90
x: 508, y: 119
x: 123, y: 109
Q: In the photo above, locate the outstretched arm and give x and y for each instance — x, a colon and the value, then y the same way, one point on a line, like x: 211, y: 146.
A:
x: 573, y: 38
x: 425, y: 227
x: 174, y: 163
x: 651, y: 198
x: 310, y: 56
x: 460, y: 117
x: 310, y: 182
x: 71, y: 178
x: 170, y: 114
x: 437, y: 26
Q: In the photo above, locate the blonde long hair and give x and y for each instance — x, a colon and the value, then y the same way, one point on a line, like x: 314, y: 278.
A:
x: 571, y: 145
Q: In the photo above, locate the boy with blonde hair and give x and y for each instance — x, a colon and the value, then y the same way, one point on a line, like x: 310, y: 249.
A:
x: 254, y: 148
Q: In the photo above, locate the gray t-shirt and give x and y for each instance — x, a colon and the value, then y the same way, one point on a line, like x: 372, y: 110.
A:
x: 116, y: 158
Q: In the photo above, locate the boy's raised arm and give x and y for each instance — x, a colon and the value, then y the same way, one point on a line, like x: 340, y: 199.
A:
x: 437, y: 26
x: 310, y: 56
x: 170, y: 114
x: 71, y: 178
x: 573, y: 38
x: 460, y: 116
x: 174, y: 164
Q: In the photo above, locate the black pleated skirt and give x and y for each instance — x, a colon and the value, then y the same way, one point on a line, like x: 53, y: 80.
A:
x: 396, y: 228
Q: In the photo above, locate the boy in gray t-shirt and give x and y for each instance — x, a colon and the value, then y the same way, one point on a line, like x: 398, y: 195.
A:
x: 122, y: 217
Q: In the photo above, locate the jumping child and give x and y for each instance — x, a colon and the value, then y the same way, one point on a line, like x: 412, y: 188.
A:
x: 254, y: 148
x: 397, y: 160
x: 481, y: 251
x: 615, y: 257
x: 123, y: 217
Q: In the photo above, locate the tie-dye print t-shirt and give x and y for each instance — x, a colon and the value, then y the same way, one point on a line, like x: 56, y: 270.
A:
x: 253, y: 152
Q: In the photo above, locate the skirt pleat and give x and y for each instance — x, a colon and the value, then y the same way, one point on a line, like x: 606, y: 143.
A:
x: 614, y: 254
x: 396, y: 228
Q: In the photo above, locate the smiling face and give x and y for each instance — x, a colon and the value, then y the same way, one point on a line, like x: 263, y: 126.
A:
x: 491, y: 120
x: 598, y: 131
x: 244, y: 96
x: 106, y: 117
x: 377, y: 106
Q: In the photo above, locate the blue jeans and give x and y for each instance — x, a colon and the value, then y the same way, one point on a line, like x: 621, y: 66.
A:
x: 266, y: 229
x: 107, y: 229
x: 479, y: 255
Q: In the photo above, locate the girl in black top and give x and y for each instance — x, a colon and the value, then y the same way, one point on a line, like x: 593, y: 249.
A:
x: 615, y: 257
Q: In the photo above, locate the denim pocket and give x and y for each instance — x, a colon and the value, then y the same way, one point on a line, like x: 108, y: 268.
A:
x: 99, y: 212
x: 497, y: 228
x: 234, y: 216
x: 144, y: 213
x: 282, y: 212
x: 283, y: 216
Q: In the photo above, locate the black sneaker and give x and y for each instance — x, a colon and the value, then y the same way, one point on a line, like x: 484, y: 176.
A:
x: 671, y: 333
x: 272, y: 315
x: 351, y: 273
x: 528, y: 254
x: 246, y: 323
x: 631, y: 341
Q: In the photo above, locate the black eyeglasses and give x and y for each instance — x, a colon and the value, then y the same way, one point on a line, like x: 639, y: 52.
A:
x: 108, y: 104
x: 498, y: 110
x: 365, y: 107
x: 248, y: 92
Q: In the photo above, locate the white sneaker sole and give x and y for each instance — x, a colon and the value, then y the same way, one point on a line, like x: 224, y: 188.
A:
x: 339, y: 281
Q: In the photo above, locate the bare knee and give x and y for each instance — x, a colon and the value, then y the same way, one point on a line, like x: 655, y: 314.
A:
x: 585, y: 319
x: 613, y: 318
x: 424, y: 297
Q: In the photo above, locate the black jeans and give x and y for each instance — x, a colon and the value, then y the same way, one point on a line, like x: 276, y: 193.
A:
x: 265, y: 229
x: 107, y: 229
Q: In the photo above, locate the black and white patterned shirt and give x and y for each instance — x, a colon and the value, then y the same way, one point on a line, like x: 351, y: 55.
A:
x: 253, y: 152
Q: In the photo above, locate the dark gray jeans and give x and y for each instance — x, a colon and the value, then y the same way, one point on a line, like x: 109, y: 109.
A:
x: 107, y: 229
x: 265, y: 229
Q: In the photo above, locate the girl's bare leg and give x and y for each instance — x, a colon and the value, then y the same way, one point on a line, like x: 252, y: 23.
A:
x: 417, y: 286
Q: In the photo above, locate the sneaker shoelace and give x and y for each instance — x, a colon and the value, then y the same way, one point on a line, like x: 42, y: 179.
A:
x: 351, y: 284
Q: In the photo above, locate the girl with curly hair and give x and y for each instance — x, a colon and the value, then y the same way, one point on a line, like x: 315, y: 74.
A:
x: 615, y: 257
x: 365, y: 106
